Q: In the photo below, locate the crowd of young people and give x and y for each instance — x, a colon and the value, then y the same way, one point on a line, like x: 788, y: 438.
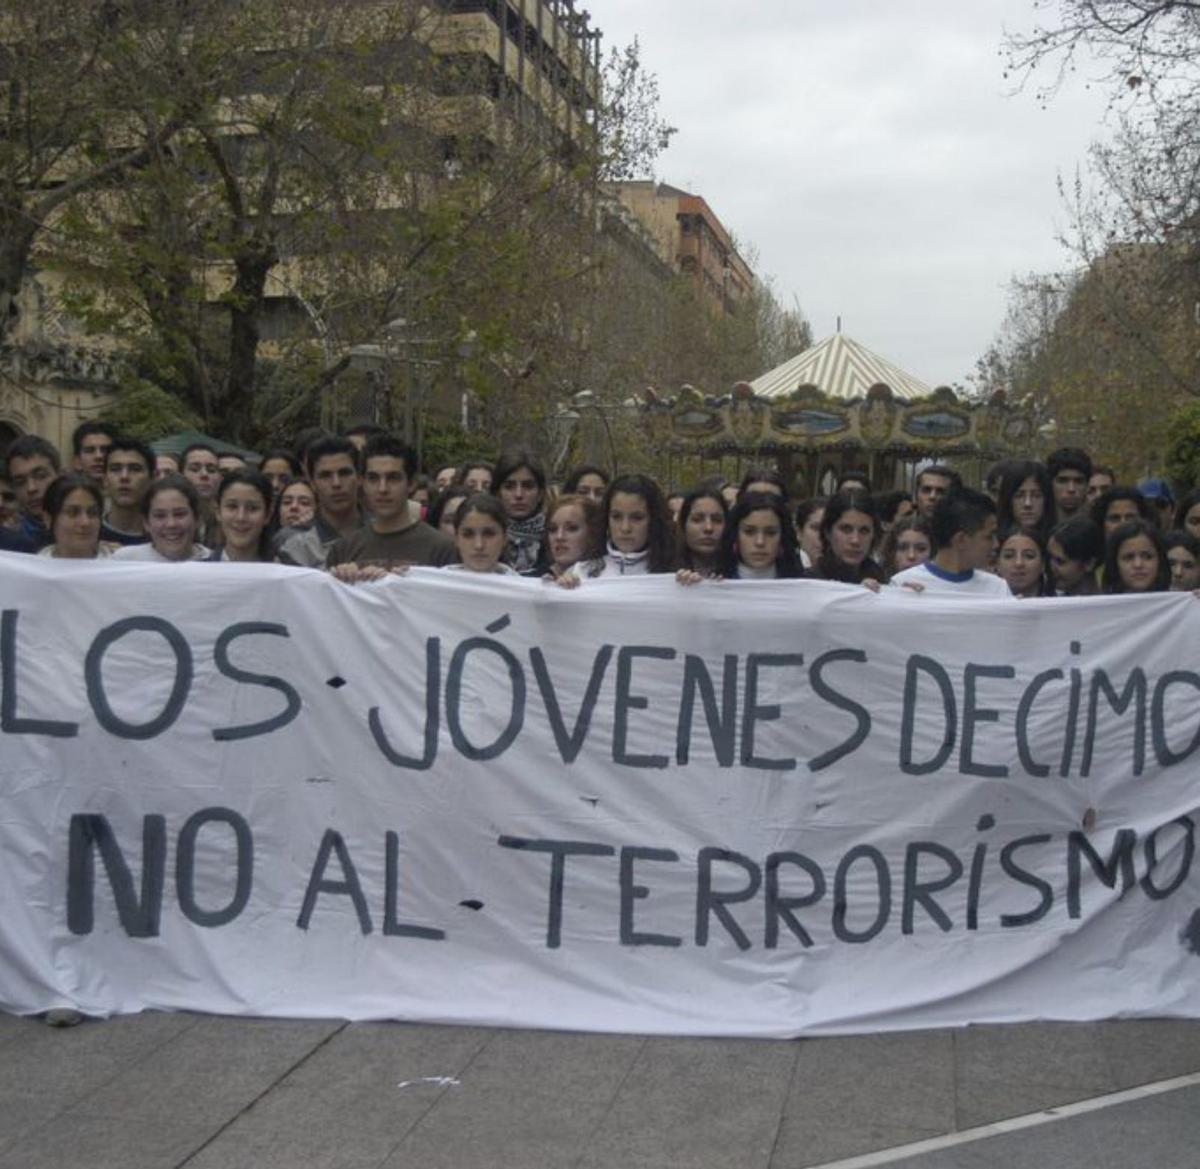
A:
x: 355, y: 505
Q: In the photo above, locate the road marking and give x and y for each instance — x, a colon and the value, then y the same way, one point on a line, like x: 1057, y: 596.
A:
x: 1013, y: 1124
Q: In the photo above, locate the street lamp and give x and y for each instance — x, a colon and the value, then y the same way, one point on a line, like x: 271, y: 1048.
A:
x: 377, y: 360
x: 562, y: 424
x: 402, y: 341
x: 466, y: 350
x: 588, y: 404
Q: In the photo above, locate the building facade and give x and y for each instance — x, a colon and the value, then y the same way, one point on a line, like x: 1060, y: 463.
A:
x: 692, y: 240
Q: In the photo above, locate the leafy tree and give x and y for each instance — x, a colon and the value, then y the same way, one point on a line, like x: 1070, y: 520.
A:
x: 144, y: 410
x: 1067, y: 354
x: 66, y: 116
x: 630, y: 132
x: 1183, y: 449
x: 1135, y: 218
x: 296, y: 138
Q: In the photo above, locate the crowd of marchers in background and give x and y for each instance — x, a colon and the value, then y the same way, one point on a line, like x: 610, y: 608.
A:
x: 357, y: 506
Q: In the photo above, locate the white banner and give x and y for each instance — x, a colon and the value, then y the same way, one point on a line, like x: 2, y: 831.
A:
x: 762, y: 809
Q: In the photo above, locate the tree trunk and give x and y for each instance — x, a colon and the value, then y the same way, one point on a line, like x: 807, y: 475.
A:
x: 254, y: 260
x: 17, y: 234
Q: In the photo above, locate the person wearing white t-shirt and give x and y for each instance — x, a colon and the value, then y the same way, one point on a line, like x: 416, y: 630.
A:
x: 964, y: 533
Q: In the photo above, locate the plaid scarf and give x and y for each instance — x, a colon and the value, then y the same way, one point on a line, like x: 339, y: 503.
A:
x: 524, y: 546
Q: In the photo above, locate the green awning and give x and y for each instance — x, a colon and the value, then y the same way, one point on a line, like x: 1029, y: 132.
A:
x: 176, y: 444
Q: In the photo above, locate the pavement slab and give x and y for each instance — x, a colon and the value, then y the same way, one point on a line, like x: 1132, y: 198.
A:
x: 698, y: 1103
x: 1163, y: 1132
x: 14, y: 1028
x: 857, y: 1094
x: 533, y: 1099
x: 343, y: 1108
x: 47, y: 1072
x: 167, y: 1099
x: 1023, y: 1067
x: 1142, y: 1050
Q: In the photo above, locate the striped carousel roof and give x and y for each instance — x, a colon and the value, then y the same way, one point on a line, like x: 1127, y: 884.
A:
x: 841, y: 368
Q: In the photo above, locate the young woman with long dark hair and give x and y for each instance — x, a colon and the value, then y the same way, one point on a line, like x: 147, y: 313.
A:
x: 1187, y: 514
x: 763, y: 481
x: 638, y: 533
x: 441, y: 511
x: 297, y: 504
x: 1120, y: 505
x: 244, y: 500
x: 809, y: 514
x: 588, y: 480
x: 74, y: 505
x: 1183, y: 555
x: 519, y: 482
x: 1075, y: 548
x: 1135, y: 560
x: 281, y: 467
x: 909, y: 542
x: 848, y: 530
x: 1026, y: 499
x: 637, y: 525
x: 480, y: 533
x: 1021, y: 563
x: 171, y: 508
x: 759, y: 541
x: 702, y: 520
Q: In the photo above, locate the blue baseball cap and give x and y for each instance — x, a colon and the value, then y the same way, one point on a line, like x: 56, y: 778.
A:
x: 1158, y: 490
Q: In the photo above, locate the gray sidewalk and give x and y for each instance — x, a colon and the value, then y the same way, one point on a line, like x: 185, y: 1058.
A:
x: 159, y: 1090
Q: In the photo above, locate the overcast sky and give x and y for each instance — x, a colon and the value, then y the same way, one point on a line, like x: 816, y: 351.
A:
x: 873, y: 155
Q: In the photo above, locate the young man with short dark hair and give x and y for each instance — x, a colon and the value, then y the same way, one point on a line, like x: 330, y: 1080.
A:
x: 932, y: 485
x: 1069, y: 469
x: 90, y: 443
x: 394, y: 536
x: 333, y: 470
x: 127, y: 472
x: 852, y: 480
x: 198, y: 464
x: 362, y: 433
x: 475, y: 476
x: 9, y: 515
x: 33, y: 464
x: 12, y: 538
x: 1099, y: 481
x: 964, y: 536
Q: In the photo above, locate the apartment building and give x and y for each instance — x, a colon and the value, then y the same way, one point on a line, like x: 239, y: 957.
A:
x: 691, y: 239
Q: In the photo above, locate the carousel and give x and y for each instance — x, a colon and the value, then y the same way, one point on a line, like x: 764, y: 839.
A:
x: 836, y: 407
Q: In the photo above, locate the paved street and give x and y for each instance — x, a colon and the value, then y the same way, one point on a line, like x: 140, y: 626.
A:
x: 163, y: 1090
